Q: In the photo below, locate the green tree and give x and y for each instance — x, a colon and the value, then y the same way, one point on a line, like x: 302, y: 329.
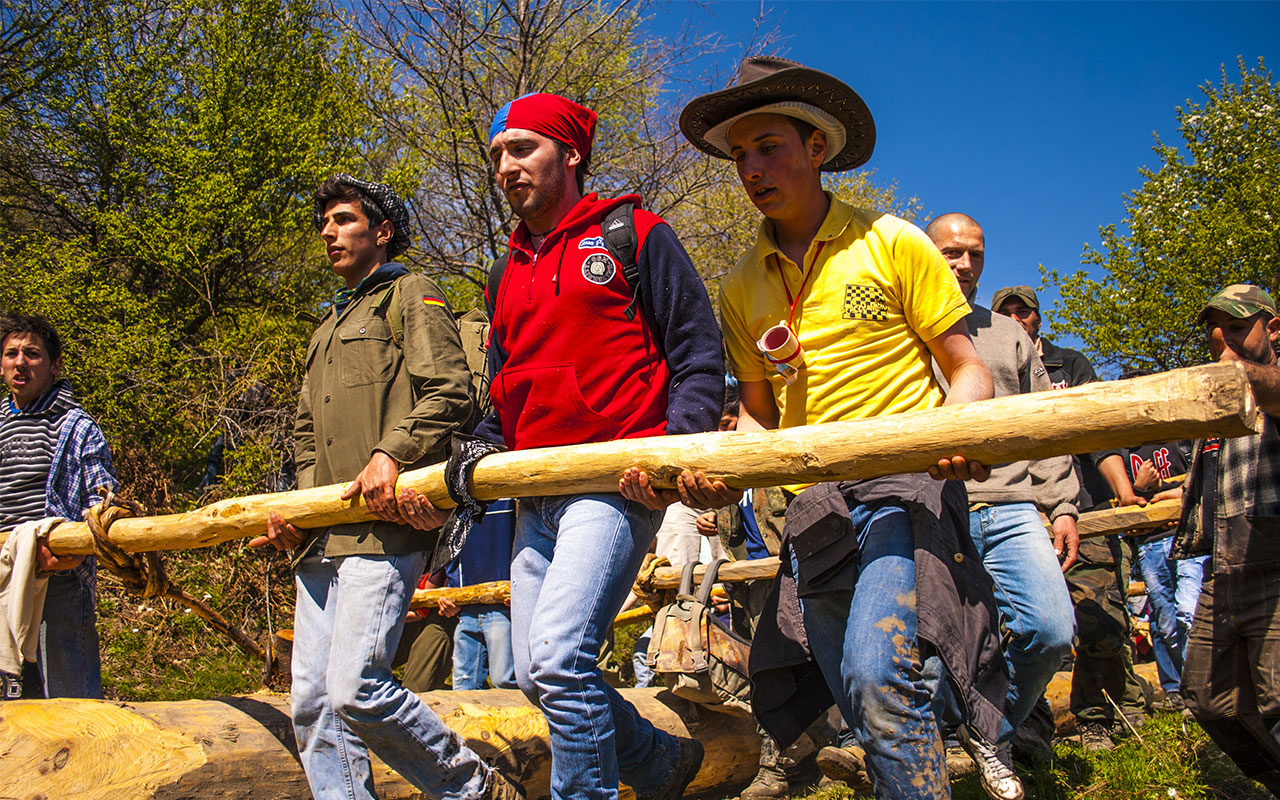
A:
x: 1208, y: 217
x: 457, y: 62
x: 166, y: 167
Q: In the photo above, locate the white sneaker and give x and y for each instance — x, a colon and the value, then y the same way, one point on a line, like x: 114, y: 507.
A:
x: 998, y: 778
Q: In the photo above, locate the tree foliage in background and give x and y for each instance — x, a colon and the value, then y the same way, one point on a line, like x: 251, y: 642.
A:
x: 154, y: 204
x: 155, y: 190
x: 457, y: 62
x: 1207, y: 218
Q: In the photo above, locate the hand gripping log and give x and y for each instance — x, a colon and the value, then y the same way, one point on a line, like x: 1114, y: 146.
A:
x: 1210, y: 400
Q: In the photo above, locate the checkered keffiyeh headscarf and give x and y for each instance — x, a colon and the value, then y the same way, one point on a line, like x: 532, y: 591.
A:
x: 385, y: 198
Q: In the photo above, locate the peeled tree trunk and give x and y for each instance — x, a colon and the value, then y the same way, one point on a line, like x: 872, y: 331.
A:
x: 242, y: 748
x: 1211, y: 400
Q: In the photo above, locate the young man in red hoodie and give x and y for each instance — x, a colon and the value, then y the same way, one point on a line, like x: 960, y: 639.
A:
x: 571, y: 362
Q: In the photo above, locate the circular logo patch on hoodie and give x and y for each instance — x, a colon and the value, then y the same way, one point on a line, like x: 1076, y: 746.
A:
x: 599, y: 269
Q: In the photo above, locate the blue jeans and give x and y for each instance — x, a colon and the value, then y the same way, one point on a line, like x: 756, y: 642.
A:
x: 482, y: 648
x: 1172, y: 591
x: 645, y: 676
x: 1190, y: 574
x: 1168, y: 644
x: 574, y: 560
x: 68, y: 657
x: 1035, y: 606
x: 865, y: 644
x: 349, y: 618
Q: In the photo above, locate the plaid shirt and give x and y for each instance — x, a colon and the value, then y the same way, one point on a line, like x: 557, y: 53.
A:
x: 1247, y: 485
x: 81, y: 463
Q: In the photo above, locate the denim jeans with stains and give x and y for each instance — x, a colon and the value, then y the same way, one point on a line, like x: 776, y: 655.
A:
x: 865, y: 644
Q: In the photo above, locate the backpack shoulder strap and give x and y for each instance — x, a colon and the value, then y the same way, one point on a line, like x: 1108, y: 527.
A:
x: 619, y: 231
x: 495, y: 278
x: 389, y: 308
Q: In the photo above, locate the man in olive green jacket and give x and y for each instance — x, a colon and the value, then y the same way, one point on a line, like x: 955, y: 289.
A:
x: 386, y: 385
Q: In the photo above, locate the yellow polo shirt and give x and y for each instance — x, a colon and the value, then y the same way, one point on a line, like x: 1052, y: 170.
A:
x: 878, y: 292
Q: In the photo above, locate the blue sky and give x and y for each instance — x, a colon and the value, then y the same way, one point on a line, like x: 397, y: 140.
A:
x: 1033, y: 117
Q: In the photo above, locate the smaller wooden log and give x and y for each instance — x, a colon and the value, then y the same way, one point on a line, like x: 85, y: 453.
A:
x: 484, y: 594
x: 1129, y: 519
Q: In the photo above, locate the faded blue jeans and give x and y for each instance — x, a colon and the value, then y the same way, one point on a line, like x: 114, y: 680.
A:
x: 1032, y: 596
x: 574, y: 560
x: 350, y: 614
x: 69, y: 660
x: 865, y: 644
x: 482, y: 648
x: 1172, y: 591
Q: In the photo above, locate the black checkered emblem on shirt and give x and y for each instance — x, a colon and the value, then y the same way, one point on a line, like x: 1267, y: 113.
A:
x: 864, y: 302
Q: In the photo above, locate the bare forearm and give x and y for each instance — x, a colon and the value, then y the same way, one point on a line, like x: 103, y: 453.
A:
x: 970, y: 382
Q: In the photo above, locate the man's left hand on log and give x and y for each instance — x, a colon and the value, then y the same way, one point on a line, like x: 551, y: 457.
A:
x: 959, y: 468
x: 280, y: 534
x: 47, y: 561
x: 377, y: 483
x: 418, y: 511
x: 693, y: 489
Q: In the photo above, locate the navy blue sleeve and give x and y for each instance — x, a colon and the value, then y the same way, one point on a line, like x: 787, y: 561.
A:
x: 680, y: 311
x: 490, y: 428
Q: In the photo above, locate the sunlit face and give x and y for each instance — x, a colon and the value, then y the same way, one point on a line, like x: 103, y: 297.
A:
x: 964, y: 247
x: 778, y: 170
x: 532, y: 173
x: 355, y: 249
x: 1023, y: 314
x: 1248, y: 339
x: 28, y: 370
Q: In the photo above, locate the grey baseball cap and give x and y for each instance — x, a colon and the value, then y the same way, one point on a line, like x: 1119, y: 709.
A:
x: 1024, y: 293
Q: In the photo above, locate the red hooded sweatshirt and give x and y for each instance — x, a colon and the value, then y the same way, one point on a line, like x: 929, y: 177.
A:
x: 576, y: 370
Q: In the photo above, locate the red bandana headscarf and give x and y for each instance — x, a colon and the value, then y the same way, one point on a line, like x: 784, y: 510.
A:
x: 550, y: 115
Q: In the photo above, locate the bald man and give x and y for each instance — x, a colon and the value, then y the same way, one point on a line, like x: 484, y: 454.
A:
x: 1023, y: 561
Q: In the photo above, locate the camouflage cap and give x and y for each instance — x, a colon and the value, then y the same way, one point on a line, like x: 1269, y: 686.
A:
x: 1024, y: 293
x: 1240, y: 300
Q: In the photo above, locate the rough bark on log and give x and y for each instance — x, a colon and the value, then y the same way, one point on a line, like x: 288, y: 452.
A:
x: 242, y: 748
x: 1214, y: 399
x: 492, y: 593
x: 1138, y: 519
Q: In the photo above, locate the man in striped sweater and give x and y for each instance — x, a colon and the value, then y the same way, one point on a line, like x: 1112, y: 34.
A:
x: 53, y: 458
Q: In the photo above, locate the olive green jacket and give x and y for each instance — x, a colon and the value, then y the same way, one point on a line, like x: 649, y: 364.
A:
x: 363, y: 393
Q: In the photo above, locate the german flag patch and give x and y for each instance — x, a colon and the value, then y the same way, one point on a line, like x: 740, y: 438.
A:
x: 433, y: 301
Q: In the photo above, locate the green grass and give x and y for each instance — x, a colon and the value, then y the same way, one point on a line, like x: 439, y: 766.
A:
x: 1174, y: 761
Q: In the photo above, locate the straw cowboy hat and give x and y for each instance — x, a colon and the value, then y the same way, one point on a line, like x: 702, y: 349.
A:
x: 768, y: 85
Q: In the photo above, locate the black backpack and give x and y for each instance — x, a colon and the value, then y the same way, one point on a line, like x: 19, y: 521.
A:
x: 618, y: 229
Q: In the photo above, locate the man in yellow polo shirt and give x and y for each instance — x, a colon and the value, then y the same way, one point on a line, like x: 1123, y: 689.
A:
x: 869, y: 301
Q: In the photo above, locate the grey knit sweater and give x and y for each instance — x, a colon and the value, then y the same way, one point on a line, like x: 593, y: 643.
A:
x: 1015, y: 366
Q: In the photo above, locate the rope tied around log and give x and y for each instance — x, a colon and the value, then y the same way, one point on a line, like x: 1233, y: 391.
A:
x: 143, y: 573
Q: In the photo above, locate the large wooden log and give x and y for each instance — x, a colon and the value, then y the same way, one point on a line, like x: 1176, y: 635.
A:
x: 1211, y: 400
x: 242, y: 748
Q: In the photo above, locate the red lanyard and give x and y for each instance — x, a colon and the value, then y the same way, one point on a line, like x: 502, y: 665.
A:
x: 793, y: 300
